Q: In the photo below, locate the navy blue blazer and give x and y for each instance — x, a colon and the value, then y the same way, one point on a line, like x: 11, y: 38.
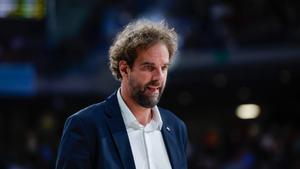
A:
x: 96, y: 138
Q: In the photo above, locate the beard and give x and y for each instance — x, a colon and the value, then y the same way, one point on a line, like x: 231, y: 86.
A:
x: 140, y: 96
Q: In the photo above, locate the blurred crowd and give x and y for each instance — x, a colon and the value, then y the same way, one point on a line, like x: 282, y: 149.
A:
x: 77, y: 33
x: 252, y: 147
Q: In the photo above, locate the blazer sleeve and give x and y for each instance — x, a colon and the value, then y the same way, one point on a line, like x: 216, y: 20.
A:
x: 74, y: 151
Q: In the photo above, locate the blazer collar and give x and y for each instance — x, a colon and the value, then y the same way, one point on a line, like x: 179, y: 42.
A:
x: 118, y: 131
x: 170, y: 140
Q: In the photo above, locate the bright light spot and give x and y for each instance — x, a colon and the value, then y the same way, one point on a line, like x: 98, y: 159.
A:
x: 248, y: 111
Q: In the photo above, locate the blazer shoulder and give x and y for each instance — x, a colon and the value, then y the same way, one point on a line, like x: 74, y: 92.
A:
x: 94, y: 111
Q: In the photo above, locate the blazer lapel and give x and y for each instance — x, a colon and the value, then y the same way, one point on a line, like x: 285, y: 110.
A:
x: 118, y: 131
x: 170, y: 142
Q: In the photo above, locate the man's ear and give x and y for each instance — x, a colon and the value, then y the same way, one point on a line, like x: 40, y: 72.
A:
x: 123, y: 68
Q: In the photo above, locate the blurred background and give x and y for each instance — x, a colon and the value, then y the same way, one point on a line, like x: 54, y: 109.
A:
x: 235, y: 81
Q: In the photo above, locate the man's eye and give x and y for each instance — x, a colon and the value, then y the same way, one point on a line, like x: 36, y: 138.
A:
x: 164, y: 68
x: 150, y: 68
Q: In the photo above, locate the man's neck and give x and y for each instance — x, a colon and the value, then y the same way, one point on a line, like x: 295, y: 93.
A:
x: 142, y: 114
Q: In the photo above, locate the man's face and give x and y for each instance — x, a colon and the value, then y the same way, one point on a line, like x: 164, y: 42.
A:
x: 147, y: 77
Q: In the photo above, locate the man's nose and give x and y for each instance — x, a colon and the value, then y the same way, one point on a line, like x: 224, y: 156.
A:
x: 158, y: 74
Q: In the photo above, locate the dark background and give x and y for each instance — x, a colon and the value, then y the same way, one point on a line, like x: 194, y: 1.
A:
x: 54, y: 61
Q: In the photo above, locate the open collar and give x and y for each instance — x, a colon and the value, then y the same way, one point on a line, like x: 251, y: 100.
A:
x: 130, y: 120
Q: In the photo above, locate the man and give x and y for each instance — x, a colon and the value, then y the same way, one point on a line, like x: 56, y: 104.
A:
x: 128, y: 130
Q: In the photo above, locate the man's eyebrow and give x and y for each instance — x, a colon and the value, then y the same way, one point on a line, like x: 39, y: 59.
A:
x: 152, y: 64
x: 147, y: 63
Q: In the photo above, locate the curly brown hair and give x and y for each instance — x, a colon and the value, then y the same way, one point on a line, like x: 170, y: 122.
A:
x: 140, y: 34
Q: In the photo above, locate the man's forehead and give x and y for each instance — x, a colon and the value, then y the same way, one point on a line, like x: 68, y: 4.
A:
x: 152, y: 61
x: 157, y: 53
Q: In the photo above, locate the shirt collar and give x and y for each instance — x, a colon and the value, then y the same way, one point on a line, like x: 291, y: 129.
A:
x: 130, y: 120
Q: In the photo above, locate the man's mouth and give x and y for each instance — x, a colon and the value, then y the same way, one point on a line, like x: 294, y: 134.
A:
x: 153, y: 89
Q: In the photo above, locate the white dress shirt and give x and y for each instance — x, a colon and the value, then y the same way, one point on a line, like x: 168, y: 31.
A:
x: 147, y: 144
